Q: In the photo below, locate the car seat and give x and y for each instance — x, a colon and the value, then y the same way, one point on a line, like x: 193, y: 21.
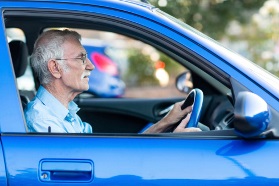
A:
x: 19, y: 53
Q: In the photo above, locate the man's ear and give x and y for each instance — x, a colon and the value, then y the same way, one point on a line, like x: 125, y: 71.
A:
x: 54, y: 68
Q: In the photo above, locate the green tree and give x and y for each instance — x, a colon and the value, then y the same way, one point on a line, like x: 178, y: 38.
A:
x: 249, y: 27
x: 210, y: 16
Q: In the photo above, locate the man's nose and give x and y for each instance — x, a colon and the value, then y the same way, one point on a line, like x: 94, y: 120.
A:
x: 89, y: 64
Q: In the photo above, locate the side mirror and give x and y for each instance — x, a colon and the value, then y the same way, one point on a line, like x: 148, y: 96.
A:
x: 184, y: 82
x: 252, y: 115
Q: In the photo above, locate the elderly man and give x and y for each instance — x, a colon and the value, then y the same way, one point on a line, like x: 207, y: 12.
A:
x: 63, y: 69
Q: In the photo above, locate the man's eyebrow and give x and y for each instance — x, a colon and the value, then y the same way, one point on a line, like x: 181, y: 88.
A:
x: 82, y: 54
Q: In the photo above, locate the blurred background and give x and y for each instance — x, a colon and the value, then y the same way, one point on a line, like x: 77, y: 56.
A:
x: 249, y: 27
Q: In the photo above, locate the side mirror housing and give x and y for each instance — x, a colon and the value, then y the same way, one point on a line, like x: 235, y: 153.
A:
x: 252, y: 115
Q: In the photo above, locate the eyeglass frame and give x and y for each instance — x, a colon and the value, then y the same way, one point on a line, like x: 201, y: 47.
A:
x: 83, y: 58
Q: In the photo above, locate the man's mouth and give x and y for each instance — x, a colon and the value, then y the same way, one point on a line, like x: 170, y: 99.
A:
x: 86, y: 75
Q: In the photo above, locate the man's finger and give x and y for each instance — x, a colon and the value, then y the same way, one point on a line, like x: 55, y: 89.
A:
x: 192, y: 129
x: 185, y: 121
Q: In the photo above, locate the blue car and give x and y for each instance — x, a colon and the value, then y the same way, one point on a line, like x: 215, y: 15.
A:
x: 235, y: 101
x: 106, y: 80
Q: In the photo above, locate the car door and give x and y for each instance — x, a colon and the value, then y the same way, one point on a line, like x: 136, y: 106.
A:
x: 3, y: 177
x: 136, y: 160
x: 213, y: 157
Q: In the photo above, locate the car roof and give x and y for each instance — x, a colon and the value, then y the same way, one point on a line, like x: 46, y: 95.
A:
x: 143, y: 3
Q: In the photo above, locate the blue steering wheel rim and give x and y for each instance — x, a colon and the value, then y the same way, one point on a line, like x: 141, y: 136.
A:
x: 197, y: 106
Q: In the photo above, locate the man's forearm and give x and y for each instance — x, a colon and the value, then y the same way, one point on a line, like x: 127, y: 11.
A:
x: 160, y: 126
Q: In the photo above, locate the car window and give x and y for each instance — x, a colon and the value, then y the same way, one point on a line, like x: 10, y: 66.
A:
x: 130, y: 68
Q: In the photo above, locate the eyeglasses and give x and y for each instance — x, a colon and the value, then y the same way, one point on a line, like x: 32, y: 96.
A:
x: 83, y: 58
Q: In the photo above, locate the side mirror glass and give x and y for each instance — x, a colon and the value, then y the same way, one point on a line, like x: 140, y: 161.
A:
x: 252, y: 115
x: 184, y: 82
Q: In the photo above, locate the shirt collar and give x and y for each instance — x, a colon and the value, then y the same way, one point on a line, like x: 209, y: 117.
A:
x: 56, y: 106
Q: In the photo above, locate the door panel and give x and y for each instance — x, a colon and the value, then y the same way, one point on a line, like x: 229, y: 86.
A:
x: 121, y: 115
x: 141, y: 160
x: 3, y: 178
x: 124, y: 115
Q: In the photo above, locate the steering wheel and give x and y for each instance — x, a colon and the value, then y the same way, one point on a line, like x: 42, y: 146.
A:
x: 195, y: 98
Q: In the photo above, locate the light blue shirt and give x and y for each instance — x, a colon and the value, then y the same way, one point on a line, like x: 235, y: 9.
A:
x: 46, y: 111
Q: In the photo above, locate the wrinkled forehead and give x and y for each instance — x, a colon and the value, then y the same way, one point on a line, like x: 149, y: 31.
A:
x: 72, y: 48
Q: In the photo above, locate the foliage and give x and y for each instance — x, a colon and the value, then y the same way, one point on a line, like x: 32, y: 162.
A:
x: 141, y: 69
x: 249, y: 27
x: 210, y: 16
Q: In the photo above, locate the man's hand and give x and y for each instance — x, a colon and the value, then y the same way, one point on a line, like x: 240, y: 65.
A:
x: 176, y: 114
x: 183, y: 124
x: 173, y: 117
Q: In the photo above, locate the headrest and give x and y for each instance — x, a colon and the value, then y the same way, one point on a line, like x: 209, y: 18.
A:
x: 19, y: 54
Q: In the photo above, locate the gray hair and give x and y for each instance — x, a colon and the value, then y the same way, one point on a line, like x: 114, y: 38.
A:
x: 49, y: 46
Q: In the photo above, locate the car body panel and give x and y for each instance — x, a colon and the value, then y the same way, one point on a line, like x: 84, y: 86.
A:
x: 3, y: 177
x: 11, y: 119
x: 127, y: 164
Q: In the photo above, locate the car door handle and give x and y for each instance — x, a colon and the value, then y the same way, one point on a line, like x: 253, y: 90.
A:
x: 64, y: 170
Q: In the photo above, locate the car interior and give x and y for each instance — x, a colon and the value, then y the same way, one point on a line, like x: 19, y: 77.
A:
x: 127, y: 114
x: 19, y: 54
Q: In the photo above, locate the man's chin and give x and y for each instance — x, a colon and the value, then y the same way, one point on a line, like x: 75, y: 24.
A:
x: 86, y: 88
x: 83, y: 89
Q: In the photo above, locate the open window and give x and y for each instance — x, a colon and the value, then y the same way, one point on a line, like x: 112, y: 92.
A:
x: 136, y: 72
